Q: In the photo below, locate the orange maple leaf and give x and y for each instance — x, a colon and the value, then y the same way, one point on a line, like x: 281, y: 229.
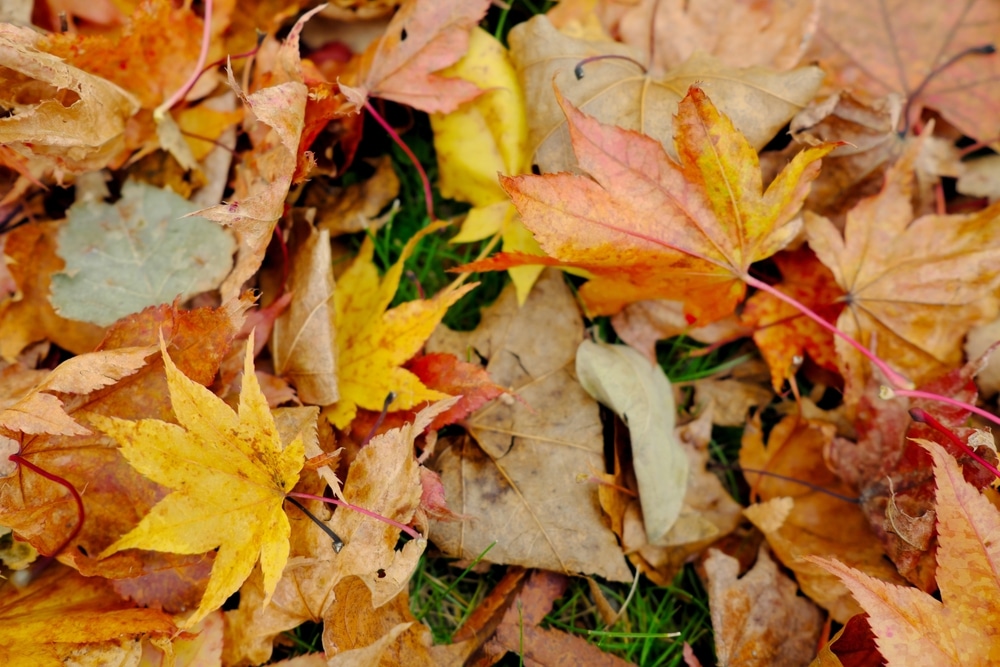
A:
x: 648, y: 227
x: 783, y: 333
x: 423, y: 37
x: 963, y: 628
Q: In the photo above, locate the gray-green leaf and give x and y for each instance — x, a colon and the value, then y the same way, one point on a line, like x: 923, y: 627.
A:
x: 640, y: 393
x: 137, y: 252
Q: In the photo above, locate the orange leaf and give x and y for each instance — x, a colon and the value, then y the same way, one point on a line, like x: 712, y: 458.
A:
x: 423, y: 37
x: 963, y: 628
x: 649, y: 227
x: 782, y: 332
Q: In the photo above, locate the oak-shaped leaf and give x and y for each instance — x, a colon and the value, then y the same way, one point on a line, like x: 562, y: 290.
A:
x: 422, y: 38
x: 649, y: 227
x: 913, y: 628
x: 229, y: 472
x: 914, y: 287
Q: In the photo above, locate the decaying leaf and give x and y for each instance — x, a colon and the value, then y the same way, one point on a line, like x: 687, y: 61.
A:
x: 911, y: 627
x: 640, y: 393
x: 137, y: 252
x: 757, y: 618
x: 229, y: 473
x: 522, y: 475
x: 616, y: 92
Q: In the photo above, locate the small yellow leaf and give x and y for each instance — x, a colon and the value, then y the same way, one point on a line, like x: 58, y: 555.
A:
x: 229, y: 474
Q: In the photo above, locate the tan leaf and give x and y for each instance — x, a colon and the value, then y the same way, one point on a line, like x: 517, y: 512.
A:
x: 525, y: 482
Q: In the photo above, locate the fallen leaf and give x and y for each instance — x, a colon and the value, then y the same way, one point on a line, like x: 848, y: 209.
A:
x: 615, y: 92
x: 731, y: 398
x: 878, y: 48
x: 913, y: 287
x: 480, y: 139
x: 758, y: 618
x: 911, y: 627
x: 302, y: 341
x: 123, y: 257
x: 647, y: 226
x: 773, y: 33
x: 356, y: 207
x: 852, y: 646
x: 978, y: 178
x: 782, y: 333
x: 78, y: 130
x: 61, y: 613
x: 522, y: 482
x: 229, y: 473
x: 643, y: 323
x: 422, y: 38
x: 262, y: 185
x: 640, y: 393
x: 373, y: 343
x: 817, y: 523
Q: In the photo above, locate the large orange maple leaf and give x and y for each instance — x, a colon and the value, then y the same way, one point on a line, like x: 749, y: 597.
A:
x: 646, y: 227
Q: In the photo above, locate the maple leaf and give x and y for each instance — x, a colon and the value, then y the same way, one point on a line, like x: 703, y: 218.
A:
x: 373, y: 343
x: 781, y: 332
x: 881, y: 47
x: 911, y: 627
x: 229, y: 473
x: 424, y: 36
x: 648, y: 227
x: 758, y: 100
x: 913, y: 288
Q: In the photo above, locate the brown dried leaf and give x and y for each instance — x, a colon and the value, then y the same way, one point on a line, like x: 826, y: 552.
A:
x: 525, y: 482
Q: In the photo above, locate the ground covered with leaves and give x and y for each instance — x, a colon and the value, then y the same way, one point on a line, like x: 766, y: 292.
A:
x: 450, y: 332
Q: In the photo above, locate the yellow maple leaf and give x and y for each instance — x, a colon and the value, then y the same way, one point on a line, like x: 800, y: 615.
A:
x: 229, y: 474
x: 372, y: 343
x: 484, y: 137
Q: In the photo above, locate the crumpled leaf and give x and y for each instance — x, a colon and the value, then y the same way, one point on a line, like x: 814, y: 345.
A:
x: 78, y: 129
x: 423, y: 37
x: 262, y: 185
x: 640, y: 393
x: 914, y: 287
x: 123, y: 257
x: 39, y: 410
x: 740, y: 33
x: 61, y: 612
x: 758, y: 618
x: 810, y: 522
x: 881, y: 47
x: 521, y: 483
x: 482, y: 138
x: 373, y: 343
x: 302, y: 347
x: 782, y: 333
x: 649, y: 227
x: 229, y: 473
x: 911, y: 627
x: 615, y: 92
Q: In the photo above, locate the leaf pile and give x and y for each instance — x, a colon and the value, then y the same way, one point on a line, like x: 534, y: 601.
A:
x: 235, y: 428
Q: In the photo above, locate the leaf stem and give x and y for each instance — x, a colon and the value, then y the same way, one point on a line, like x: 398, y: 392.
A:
x: 338, y: 543
x: 206, y: 38
x: 922, y: 416
x: 80, y: 514
x: 897, y: 380
x: 926, y: 395
x: 357, y: 508
x: 428, y: 198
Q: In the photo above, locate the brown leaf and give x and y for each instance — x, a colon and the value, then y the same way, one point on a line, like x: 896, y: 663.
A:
x: 643, y: 323
x: 758, y: 618
x: 615, y: 92
x: 302, y: 341
x: 356, y: 207
x: 883, y: 47
x: 524, y: 483
x: 740, y: 33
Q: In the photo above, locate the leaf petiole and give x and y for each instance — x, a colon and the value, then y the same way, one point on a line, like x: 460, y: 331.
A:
x: 338, y: 543
x: 80, y: 514
x: 357, y: 508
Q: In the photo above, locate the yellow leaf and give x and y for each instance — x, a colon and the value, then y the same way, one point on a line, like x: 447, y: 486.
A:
x: 373, y: 344
x: 229, y: 474
x: 482, y: 138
